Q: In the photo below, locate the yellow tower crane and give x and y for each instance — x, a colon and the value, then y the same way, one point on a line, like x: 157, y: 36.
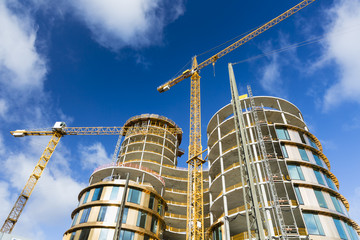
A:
x: 195, y: 212
x: 57, y: 131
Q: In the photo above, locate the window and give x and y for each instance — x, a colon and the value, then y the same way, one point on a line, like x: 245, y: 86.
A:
x: 353, y: 235
x: 151, y: 201
x: 302, y: 138
x: 72, y: 237
x: 313, y: 144
x: 295, y: 172
x: 330, y: 183
x: 317, y: 160
x: 126, y: 235
x: 84, y: 235
x: 303, y: 154
x: 298, y: 194
x: 160, y: 206
x: 86, y: 197
x: 336, y: 204
x: 102, y: 213
x: 340, y: 229
x: 114, y: 193
x: 154, y: 224
x: 313, y: 224
x: 74, y: 219
x: 134, y: 196
x: 285, y: 154
x: 320, y: 198
x: 141, y: 220
x: 124, y: 216
x: 282, y: 133
x: 216, y: 234
x: 104, y: 234
x: 319, y: 177
x: 97, y: 194
x: 85, y: 215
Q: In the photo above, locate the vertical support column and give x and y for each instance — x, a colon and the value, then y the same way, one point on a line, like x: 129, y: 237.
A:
x: 162, y: 151
x: 210, y: 204
x: 144, y: 145
x: 251, y: 197
x: 223, y: 183
x: 176, y: 150
x: 282, y: 112
x: 121, y: 210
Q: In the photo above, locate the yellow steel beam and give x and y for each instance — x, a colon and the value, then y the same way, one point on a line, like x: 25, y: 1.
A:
x: 30, y: 185
x: 95, y: 131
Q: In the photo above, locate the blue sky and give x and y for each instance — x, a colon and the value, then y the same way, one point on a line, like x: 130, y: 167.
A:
x: 98, y: 63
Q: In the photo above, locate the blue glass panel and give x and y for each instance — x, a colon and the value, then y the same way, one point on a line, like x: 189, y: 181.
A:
x: 282, y: 133
x: 313, y: 224
x: 285, y: 154
x: 134, y: 196
x: 72, y: 237
x: 75, y: 218
x: 303, y: 154
x: 294, y: 174
x: 102, y: 214
x: 298, y: 194
x: 320, y: 198
x: 85, y: 215
x: 104, y: 234
x: 301, y: 175
x: 330, y: 183
x: 125, y: 213
x: 86, y: 197
x: 313, y: 144
x: 353, y: 235
x: 319, y: 177
x: 340, y: 229
x: 97, y: 194
x: 141, y: 220
x: 336, y: 204
x: 114, y: 193
x: 317, y: 160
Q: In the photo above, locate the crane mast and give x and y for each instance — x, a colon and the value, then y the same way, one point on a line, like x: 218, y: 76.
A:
x: 195, y: 215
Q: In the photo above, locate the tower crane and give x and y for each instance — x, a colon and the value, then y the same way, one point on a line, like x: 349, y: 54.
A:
x: 57, y: 132
x: 195, y: 211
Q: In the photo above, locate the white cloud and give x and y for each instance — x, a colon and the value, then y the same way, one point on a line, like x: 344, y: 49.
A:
x: 342, y: 47
x: 56, y: 192
x: 121, y: 23
x: 21, y: 66
x: 3, y: 107
x: 94, y: 155
x: 271, y: 73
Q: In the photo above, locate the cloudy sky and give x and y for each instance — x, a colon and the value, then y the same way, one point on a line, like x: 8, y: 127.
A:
x: 98, y: 63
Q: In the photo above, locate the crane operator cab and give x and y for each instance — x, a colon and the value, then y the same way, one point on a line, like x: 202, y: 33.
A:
x: 59, y: 126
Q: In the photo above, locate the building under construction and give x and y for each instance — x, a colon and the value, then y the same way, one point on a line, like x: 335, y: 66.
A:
x: 292, y: 194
